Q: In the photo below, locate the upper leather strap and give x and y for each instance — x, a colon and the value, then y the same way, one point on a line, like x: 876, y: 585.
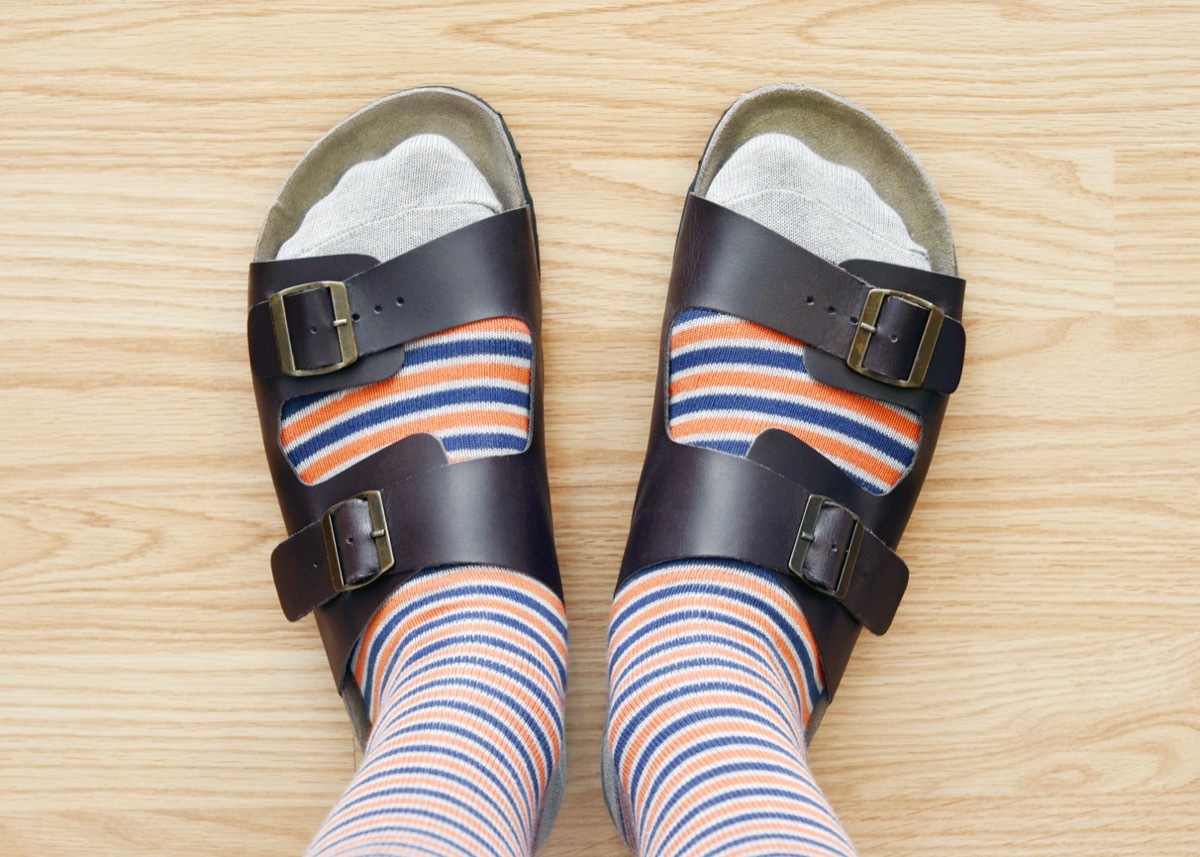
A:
x: 695, y: 502
x: 895, y: 337
x: 491, y: 511
x: 477, y: 272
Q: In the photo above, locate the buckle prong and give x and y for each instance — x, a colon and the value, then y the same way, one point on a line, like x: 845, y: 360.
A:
x: 347, y: 344
x: 867, y: 329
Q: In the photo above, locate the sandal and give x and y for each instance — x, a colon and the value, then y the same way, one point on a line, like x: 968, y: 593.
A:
x: 332, y: 323
x: 879, y: 330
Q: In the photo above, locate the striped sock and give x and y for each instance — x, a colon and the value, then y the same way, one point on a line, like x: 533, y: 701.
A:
x: 733, y: 379
x: 713, y: 673
x: 464, y: 676
x: 468, y: 387
x: 463, y: 669
x: 712, y: 678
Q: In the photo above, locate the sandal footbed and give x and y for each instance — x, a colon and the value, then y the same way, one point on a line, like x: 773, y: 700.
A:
x: 372, y: 132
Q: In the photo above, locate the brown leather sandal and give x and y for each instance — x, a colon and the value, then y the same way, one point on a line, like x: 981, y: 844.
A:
x: 333, y: 322
x: 883, y: 331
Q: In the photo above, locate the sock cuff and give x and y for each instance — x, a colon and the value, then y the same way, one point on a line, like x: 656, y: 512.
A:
x: 713, y: 675
x: 724, y: 598
x: 472, y: 613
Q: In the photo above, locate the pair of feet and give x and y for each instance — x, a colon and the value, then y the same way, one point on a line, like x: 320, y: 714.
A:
x: 455, y: 674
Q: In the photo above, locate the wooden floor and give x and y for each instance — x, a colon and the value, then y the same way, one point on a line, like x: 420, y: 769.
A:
x: 1039, y: 693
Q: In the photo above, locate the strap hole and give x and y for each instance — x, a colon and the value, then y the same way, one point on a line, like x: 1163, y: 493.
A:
x: 809, y: 300
x: 894, y: 338
x: 355, y: 316
x: 349, y: 540
x: 312, y: 329
x: 854, y: 319
x: 831, y: 310
x: 399, y: 301
x: 378, y: 310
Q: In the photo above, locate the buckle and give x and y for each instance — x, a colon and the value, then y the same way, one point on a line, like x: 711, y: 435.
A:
x: 866, y: 329
x: 808, y: 534
x: 378, y: 533
x: 347, y: 344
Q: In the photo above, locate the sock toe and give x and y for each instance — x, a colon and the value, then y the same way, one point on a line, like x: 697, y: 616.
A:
x: 827, y: 208
x: 420, y: 190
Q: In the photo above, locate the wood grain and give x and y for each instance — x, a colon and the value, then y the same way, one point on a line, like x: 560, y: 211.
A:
x: 1038, y: 694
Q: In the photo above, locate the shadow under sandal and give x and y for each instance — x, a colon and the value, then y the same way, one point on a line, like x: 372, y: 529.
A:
x: 332, y: 323
x: 882, y: 331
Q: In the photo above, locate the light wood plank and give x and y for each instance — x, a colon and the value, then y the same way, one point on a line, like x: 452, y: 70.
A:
x: 1037, y: 694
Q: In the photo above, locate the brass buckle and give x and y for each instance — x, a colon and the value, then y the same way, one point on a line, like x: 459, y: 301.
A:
x: 341, y: 323
x: 866, y: 329
x: 379, y: 535
x: 808, y: 535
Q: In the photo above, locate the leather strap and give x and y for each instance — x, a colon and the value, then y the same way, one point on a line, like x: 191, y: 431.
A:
x: 427, y: 290
x: 491, y: 511
x: 723, y: 260
x: 699, y: 503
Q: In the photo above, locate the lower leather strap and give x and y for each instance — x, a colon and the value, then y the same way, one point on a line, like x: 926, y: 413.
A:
x: 696, y: 502
x: 491, y: 511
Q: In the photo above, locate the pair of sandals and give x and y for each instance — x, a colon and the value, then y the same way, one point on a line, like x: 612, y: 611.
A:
x: 329, y: 323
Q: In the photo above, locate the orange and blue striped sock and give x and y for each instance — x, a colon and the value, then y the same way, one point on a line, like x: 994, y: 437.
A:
x: 713, y: 676
x: 464, y: 676
x: 732, y: 379
x: 463, y: 669
x: 468, y: 387
x: 713, y: 673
